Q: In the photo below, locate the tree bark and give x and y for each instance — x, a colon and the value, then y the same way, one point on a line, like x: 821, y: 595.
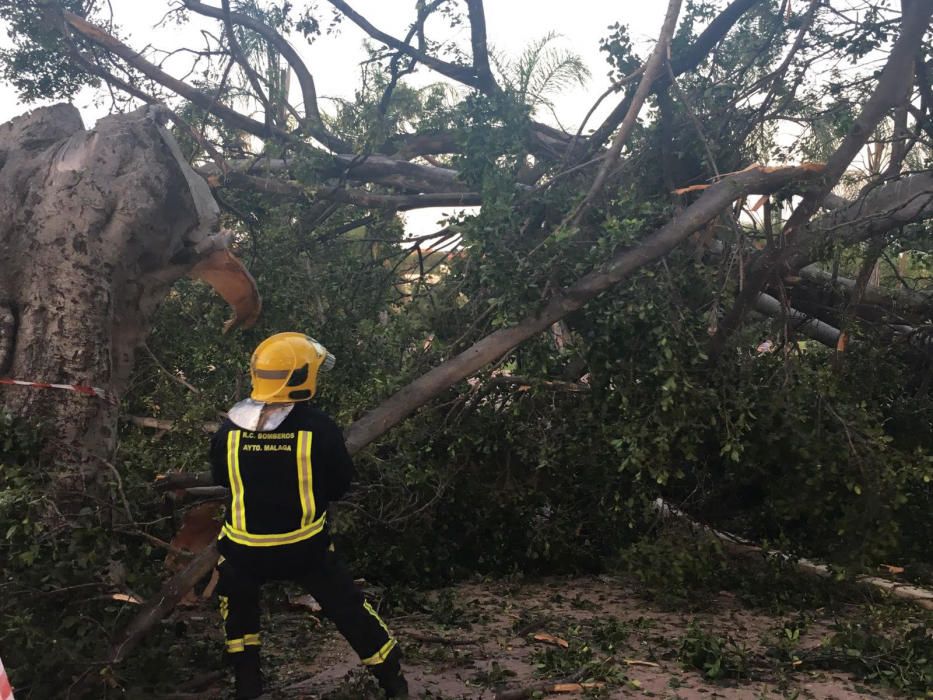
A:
x: 97, y: 224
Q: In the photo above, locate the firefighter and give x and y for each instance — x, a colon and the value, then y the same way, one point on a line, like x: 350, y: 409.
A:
x: 284, y: 461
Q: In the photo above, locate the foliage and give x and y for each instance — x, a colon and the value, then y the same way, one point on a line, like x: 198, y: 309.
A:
x: 884, y: 648
x: 60, y: 570
x: 581, y: 659
x: 676, y: 569
x: 40, y: 63
x: 714, y: 655
x: 542, y: 71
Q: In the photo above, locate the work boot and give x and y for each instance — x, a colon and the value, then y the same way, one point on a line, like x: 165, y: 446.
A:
x: 390, y: 677
x: 247, y: 674
x: 396, y: 688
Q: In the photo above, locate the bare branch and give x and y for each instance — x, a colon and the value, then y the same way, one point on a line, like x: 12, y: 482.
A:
x: 462, y: 74
x: 305, y: 79
x: 233, y: 118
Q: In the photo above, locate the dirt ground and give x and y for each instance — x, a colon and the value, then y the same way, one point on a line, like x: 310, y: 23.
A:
x: 596, y: 636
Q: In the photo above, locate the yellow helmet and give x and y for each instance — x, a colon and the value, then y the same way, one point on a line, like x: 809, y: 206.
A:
x: 284, y: 368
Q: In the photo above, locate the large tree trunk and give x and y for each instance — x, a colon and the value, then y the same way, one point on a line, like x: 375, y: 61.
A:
x: 95, y: 226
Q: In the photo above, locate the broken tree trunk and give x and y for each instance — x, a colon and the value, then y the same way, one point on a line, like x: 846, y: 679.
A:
x: 95, y: 226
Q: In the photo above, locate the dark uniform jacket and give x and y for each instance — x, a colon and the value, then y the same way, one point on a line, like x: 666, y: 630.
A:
x: 281, y: 482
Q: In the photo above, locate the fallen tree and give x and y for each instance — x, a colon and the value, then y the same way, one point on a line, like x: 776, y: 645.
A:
x: 917, y: 595
x: 568, y: 216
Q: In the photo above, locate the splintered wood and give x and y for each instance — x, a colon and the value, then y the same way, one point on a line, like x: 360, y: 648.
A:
x: 807, y: 167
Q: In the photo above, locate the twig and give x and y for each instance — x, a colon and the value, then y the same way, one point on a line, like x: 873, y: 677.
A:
x: 162, y: 544
x: 126, y: 503
x: 173, y: 376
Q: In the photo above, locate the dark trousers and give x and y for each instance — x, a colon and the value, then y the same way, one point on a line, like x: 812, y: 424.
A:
x: 317, y: 569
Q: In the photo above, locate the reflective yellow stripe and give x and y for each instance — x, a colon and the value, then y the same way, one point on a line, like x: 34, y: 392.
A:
x: 251, y: 640
x: 235, y: 645
x: 237, y: 500
x: 380, y: 656
x: 371, y: 611
x: 304, y: 478
x: 224, y: 606
x: 253, y: 540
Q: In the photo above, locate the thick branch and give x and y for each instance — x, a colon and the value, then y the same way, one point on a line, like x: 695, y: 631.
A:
x: 376, y: 169
x: 803, y: 323
x: 897, y: 203
x: 480, y: 50
x: 920, y: 596
x: 888, y: 298
x: 709, y: 38
x: 892, y: 88
x: 708, y: 206
x: 357, y: 197
x: 398, y: 173
x: 162, y: 604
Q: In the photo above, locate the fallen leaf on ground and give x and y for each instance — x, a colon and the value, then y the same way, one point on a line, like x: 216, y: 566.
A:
x: 124, y: 598
x: 305, y: 602
x: 551, y: 639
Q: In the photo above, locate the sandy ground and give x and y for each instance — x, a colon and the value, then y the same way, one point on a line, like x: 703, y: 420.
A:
x: 478, y: 641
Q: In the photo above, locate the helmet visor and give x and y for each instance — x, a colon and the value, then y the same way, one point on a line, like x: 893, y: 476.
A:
x: 329, y: 360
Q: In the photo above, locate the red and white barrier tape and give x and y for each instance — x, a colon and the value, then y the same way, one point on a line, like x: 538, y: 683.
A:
x: 6, y: 690
x: 78, y: 388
